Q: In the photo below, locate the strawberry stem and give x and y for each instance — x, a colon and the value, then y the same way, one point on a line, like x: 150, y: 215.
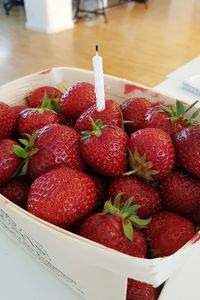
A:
x: 127, y: 122
x: 140, y: 165
x: 133, y: 171
x: 97, y: 129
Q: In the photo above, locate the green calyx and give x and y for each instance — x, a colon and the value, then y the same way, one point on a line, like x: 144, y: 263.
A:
x: 25, y: 152
x: 47, y: 105
x: 55, y: 105
x: 97, y: 129
x: 140, y: 165
x: 179, y: 110
x: 128, y: 213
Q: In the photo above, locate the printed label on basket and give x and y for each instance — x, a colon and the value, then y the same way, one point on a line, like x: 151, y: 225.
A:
x: 7, y: 223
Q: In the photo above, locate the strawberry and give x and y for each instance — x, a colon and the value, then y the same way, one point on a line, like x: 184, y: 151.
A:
x: 143, y: 194
x: 50, y: 147
x: 104, y: 149
x: 101, y: 186
x: 16, y: 190
x: 180, y: 193
x: 77, y: 99
x: 111, y: 115
x: 138, y: 290
x: 114, y: 228
x: 171, y: 119
x: 32, y: 119
x: 64, y: 121
x: 8, y: 120
x: 134, y: 110
x: 62, y: 196
x: 36, y: 97
x: 168, y: 232
x: 194, y: 216
x: 187, y: 148
x: 151, y: 153
x: 9, y: 162
x: 18, y: 109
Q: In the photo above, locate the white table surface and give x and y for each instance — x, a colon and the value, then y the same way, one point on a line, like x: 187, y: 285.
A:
x: 173, y: 84
x: 23, y: 278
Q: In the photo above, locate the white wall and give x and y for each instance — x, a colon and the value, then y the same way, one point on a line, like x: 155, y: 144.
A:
x: 49, y: 15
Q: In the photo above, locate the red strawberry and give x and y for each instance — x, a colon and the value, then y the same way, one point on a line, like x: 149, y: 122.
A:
x: 52, y: 146
x: 49, y: 92
x: 16, y: 190
x: 77, y: 99
x: 64, y: 121
x: 114, y: 229
x: 9, y: 162
x: 171, y: 119
x: 111, y: 115
x: 134, y: 110
x: 62, y: 196
x: 194, y: 216
x: 143, y: 194
x: 32, y: 119
x: 168, y: 232
x: 19, y: 108
x: 138, y: 290
x: 8, y: 121
x: 104, y: 149
x: 151, y: 153
x: 187, y: 148
x: 180, y: 193
x: 101, y: 185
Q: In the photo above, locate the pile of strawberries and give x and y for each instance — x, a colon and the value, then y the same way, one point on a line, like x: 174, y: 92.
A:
x: 126, y: 177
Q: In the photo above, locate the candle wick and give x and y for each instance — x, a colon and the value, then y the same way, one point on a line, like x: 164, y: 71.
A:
x: 97, y: 48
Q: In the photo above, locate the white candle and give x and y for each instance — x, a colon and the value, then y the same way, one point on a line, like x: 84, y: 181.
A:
x: 99, y: 81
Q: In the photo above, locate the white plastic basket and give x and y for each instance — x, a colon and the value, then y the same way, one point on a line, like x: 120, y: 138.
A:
x: 92, y: 270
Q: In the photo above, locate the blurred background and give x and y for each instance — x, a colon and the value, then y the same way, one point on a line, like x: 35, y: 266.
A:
x: 142, y: 41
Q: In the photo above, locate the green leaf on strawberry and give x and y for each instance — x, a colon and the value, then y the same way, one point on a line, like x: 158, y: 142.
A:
x: 180, y: 109
x: 178, y: 112
x: 19, y: 151
x: 128, y: 214
x: 140, y: 165
x: 97, y: 128
x: 24, y: 168
x: 128, y: 229
x: 24, y: 142
x: 25, y: 153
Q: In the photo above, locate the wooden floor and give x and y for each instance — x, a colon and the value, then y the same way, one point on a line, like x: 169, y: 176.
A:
x: 137, y: 44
